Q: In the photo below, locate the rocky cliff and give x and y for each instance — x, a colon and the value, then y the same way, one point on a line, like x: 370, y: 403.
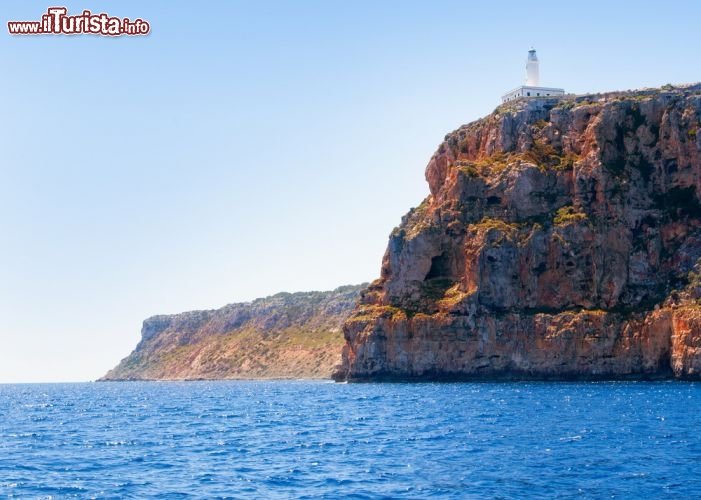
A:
x: 560, y: 240
x: 288, y: 335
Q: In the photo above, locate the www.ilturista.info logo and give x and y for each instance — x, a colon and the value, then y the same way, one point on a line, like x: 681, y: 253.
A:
x: 56, y: 21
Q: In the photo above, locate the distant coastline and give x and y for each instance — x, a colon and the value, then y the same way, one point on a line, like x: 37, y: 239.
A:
x: 287, y: 336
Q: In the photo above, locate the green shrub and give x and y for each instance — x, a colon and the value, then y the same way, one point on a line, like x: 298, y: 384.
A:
x: 568, y: 214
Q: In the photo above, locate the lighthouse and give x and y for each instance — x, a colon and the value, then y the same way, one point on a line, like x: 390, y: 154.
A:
x: 532, y: 87
x: 532, y: 69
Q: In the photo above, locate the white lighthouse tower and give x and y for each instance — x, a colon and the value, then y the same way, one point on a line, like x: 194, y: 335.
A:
x: 532, y: 69
x: 532, y: 87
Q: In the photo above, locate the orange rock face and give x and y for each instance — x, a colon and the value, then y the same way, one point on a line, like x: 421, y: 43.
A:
x: 561, y: 240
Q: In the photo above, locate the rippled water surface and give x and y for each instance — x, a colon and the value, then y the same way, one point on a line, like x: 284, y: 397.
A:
x: 310, y: 439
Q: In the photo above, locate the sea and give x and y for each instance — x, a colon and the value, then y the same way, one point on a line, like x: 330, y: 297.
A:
x: 302, y: 439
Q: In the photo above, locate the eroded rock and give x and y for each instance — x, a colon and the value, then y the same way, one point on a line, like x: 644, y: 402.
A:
x: 560, y: 240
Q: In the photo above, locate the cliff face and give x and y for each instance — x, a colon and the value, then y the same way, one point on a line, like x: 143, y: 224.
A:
x: 288, y: 335
x: 561, y: 239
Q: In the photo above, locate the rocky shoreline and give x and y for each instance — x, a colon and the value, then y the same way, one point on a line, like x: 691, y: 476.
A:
x: 561, y: 241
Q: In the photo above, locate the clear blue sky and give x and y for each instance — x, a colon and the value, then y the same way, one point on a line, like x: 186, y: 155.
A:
x: 243, y: 149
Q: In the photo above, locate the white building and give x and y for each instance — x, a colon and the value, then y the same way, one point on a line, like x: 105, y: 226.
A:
x: 532, y: 87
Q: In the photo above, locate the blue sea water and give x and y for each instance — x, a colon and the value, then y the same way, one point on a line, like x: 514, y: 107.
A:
x: 314, y: 439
